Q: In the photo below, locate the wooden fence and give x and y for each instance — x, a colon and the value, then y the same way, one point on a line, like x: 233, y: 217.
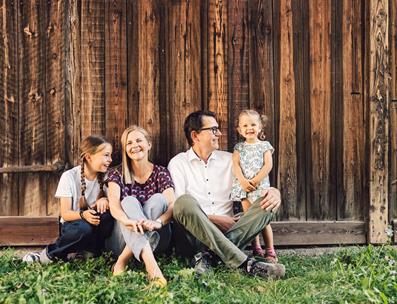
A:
x: 324, y: 71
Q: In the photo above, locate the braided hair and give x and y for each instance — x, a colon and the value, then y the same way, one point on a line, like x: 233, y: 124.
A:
x: 90, y: 145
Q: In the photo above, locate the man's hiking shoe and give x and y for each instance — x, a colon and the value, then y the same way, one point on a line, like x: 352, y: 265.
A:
x: 265, y: 270
x: 203, y: 262
x: 37, y: 257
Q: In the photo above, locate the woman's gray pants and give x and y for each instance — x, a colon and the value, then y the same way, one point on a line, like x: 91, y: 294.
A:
x: 152, y: 209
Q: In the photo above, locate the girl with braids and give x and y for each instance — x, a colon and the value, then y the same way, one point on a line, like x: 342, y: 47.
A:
x: 252, y: 163
x: 141, y: 197
x: 86, y: 220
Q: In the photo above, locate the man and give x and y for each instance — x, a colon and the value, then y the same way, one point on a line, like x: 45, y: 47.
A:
x: 203, y: 181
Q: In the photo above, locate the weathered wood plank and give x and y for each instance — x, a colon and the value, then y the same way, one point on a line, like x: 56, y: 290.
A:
x: 353, y: 136
x: 321, y: 207
x: 262, y: 63
x: 287, y: 170
x: 393, y: 114
x: 378, y: 129
x: 394, y: 225
x: 55, y: 96
x: 9, y: 103
x: 72, y: 81
x: 319, y: 232
x: 149, y: 72
x: 217, y: 65
x: 183, y: 66
x: 92, y: 26
x: 301, y: 56
x: 116, y: 73
x: 32, y: 118
x: 238, y: 64
x: 28, y: 230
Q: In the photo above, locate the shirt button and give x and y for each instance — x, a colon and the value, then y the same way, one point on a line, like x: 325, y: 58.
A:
x: 209, y: 192
x: 213, y: 203
x: 207, y: 179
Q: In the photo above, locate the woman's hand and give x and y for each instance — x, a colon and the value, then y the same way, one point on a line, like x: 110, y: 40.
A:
x: 150, y: 225
x: 91, y: 217
x: 101, y: 205
x: 135, y: 226
x: 246, y: 185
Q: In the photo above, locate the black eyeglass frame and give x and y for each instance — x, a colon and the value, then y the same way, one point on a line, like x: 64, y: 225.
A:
x: 214, y: 130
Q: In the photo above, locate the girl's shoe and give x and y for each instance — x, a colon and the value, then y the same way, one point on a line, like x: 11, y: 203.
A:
x: 37, y: 257
x: 258, y: 251
x: 271, y: 256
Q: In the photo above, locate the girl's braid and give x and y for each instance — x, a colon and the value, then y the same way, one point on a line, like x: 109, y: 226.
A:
x: 82, y: 201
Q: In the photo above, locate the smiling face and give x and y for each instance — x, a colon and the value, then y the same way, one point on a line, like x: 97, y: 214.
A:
x: 206, y: 139
x: 249, y: 127
x: 137, y: 146
x: 101, y: 159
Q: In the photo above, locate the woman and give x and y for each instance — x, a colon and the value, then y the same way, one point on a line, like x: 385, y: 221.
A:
x: 141, y: 197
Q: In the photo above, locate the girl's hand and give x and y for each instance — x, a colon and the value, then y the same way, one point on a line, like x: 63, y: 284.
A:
x: 91, y: 217
x: 133, y: 225
x: 101, y: 205
x: 247, y: 186
x: 254, y: 182
x: 151, y: 225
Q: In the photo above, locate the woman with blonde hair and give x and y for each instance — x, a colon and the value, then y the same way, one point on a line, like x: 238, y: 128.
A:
x: 141, y: 197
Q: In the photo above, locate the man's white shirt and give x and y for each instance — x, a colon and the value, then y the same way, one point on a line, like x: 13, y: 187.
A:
x: 210, y: 183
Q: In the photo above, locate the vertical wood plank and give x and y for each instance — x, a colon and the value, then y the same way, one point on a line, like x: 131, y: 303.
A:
x: 9, y: 103
x: 238, y: 64
x: 32, y: 124
x: 92, y: 67
x: 261, y: 63
x: 217, y: 65
x: 321, y: 207
x: 116, y: 73
x: 148, y: 71
x: 351, y: 205
x: 287, y: 170
x: 72, y: 81
x: 393, y: 113
x: 183, y: 66
x: 133, y: 63
x: 378, y: 129
x: 55, y: 98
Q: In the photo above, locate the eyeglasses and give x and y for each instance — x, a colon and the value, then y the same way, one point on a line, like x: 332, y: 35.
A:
x: 214, y: 130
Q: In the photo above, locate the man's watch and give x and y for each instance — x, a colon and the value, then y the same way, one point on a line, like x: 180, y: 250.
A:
x: 160, y: 221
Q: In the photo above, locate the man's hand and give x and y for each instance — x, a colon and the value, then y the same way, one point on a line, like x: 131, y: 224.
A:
x: 223, y: 222
x: 272, y: 199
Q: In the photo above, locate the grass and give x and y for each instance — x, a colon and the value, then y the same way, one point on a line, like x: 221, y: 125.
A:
x: 358, y: 275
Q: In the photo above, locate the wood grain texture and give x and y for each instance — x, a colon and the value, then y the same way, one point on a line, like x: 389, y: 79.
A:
x: 262, y: 63
x: 217, y: 65
x: 393, y: 114
x: 92, y: 31
x: 319, y: 232
x: 353, y: 134
x: 55, y: 97
x: 183, y: 64
x: 238, y: 64
x: 378, y: 128
x: 32, y: 109
x: 321, y: 207
x: 9, y: 104
x: 28, y: 230
x: 115, y: 73
x: 287, y: 169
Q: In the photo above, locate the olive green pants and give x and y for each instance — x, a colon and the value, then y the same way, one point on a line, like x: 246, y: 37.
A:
x: 228, y: 247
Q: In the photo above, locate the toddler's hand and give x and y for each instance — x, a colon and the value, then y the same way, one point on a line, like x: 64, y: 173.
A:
x: 247, y: 186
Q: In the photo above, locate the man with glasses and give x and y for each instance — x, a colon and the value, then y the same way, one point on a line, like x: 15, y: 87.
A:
x: 203, y: 210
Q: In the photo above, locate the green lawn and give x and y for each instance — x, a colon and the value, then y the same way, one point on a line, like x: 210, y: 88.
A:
x: 358, y: 275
